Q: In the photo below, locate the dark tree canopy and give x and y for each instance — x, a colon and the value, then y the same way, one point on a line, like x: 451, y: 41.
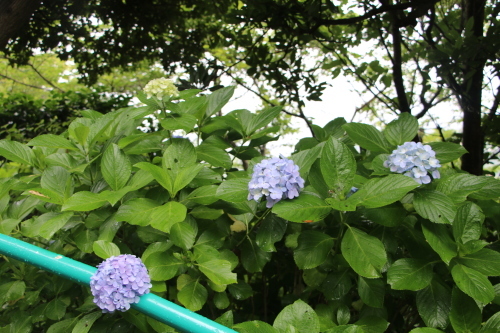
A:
x: 429, y: 50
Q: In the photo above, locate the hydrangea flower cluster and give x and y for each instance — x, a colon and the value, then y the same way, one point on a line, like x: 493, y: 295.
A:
x: 276, y: 179
x: 414, y: 160
x: 161, y: 87
x: 119, y: 282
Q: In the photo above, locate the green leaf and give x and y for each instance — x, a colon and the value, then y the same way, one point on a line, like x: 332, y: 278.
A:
x: 51, y: 226
x: 193, y: 295
x: 160, y: 175
x: 425, y: 330
x: 206, y: 213
x: 492, y: 325
x: 263, y: 118
x: 213, y: 155
x: 52, y: 141
x: 56, y: 309
x: 184, y: 177
x: 162, y: 266
x: 434, y: 304
x: 401, y: 130
x: 253, y: 258
x: 367, y: 136
x: 468, y: 222
x: 373, y: 324
x: 270, y: 231
x: 84, y: 201
x: 115, y: 167
x: 380, y: 192
x: 337, y: 284
x: 388, y: 216
x: 409, y: 274
x: 218, y: 271
x: 459, y: 186
x: 438, y: 237
x: 465, y: 315
x: 85, y: 323
x: 305, y: 159
x: 165, y: 216
x: 434, y: 206
x: 178, y: 155
x: 204, y: 195
x: 182, y: 234
x: 218, y: 99
x: 473, y: 283
x: 364, y: 253
x: 313, y: 248
x: 58, y: 180
x: 12, y: 291
x: 338, y: 166
x: 233, y: 190
x: 485, y: 261
x: 489, y: 190
x: 240, y: 291
x: 183, y: 121
x: 136, y: 211
x: 105, y: 249
x: 447, y: 151
x: 299, y: 315
x: 306, y: 207
x: 254, y: 326
x: 372, y: 291
x: 17, y: 152
x: 221, y: 301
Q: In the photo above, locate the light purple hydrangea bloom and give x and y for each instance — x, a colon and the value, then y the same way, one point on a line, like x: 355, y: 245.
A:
x: 119, y: 282
x: 414, y: 160
x: 276, y: 179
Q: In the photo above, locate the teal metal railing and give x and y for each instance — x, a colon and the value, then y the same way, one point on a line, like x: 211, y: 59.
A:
x: 152, y: 305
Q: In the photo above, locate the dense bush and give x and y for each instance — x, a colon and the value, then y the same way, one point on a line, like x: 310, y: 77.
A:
x: 393, y: 256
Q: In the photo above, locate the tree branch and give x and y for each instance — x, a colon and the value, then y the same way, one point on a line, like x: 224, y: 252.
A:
x: 24, y: 84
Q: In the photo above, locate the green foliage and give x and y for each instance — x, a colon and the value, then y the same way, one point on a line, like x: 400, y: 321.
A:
x: 395, y: 256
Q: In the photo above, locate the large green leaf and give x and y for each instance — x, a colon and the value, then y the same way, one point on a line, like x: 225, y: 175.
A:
x: 263, y: 118
x: 312, y: 250
x: 181, y: 121
x: 184, y: 177
x: 426, y: 330
x: 368, y: 137
x: 57, y: 179
x: 115, y: 167
x: 485, y: 261
x: 270, y: 231
x: 54, y: 224
x: 492, y: 325
x: 17, y: 152
x: 165, y: 216
x: 183, y: 235
x: 85, y: 323
x: 364, y: 253
x: 465, y: 315
x: 459, y: 186
x: 438, y: 237
x: 254, y: 326
x: 372, y: 291
x: 217, y: 157
x: 447, y: 151
x: 162, y: 265
x: 193, y: 295
x: 489, y: 190
x: 52, y: 141
x: 338, y: 167
x: 136, y: 211
x: 468, y: 222
x: 409, y: 274
x: 12, y: 291
x: 434, y: 206
x: 300, y: 316
x: 105, y: 249
x: 434, y: 304
x: 402, y: 129
x: 380, y: 192
x: 179, y: 154
x: 473, y: 283
x: 218, y: 99
x: 218, y: 271
x: 160, y: 175
x: 337, y: 284
x: 306, y: 207
x: 253, y: 258
x: 233, y: 190
x: 84, y: 201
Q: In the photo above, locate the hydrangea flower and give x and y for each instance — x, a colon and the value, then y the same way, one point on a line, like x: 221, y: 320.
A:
x: 414, y: 160
x: 276, y: 179
x: 161, y: 87
x: 119, y: 282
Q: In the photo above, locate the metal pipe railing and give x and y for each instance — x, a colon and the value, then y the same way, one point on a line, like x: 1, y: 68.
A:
x: 150, y: 304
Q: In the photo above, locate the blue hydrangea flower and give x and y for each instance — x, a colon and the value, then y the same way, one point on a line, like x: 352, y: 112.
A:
x: 414, y: 160
x: 276, y: 179
x: 119, y: 282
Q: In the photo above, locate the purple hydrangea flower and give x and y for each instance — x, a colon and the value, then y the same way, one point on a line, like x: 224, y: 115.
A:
x: 276, y: 179
x: 414, y: 160
x: 119, y: 282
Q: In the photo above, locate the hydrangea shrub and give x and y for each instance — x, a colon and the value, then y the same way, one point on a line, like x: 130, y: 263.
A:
x: 343, y: 242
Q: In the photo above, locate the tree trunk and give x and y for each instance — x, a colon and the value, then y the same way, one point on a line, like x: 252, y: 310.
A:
x: 14, y: 15
x: 471, y: 92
